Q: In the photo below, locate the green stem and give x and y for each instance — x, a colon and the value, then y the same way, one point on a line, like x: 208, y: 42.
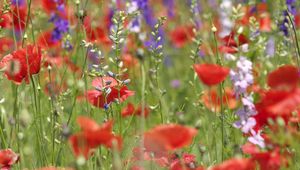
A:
x: 142, y: 118
x: 296, y: 38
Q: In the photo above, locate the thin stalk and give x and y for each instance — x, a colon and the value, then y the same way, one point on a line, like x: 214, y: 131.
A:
x: 142, y: 118
x: 296, y: 38
x: 219, y: 61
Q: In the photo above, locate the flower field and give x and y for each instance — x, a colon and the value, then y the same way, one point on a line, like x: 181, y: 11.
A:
x: 150, y: 84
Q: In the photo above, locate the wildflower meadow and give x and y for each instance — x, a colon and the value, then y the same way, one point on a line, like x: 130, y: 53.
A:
x: 149, y: 84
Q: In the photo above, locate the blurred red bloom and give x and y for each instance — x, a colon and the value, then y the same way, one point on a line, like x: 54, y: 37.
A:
x: 181, y: 35
x: 275, y: 104
x: 236, y: 163
x: 22, y: 63
x: 129, y: 61
x: 212, y: 99
x: 130, y: 110
x: 187, y: 162
x: 51, y: 5
x: 92, y: 136
x: 271, y: 160
x: 5, y: 21
x: 19, y: 15
x: 168, y: 137
x: 284, y: 77
x: 6, y: 44
x: 230, y: 44
x: 45, y: 40
x: 297, y: 20
x: 97, y: 33
x: 211, y: 74
x: 100, y: 98
x: 7, y: 159
x: 265, y: 23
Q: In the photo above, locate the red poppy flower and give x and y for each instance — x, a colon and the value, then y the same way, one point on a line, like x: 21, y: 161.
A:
x: 271, y: 160
x: 5, y: 21
x: 7, y: 159
x: 275, y: 104
x: 98, y: 97
x: 265, y: 23
x: 181, y: 35
x: 284, y: 77
x: 297, y: 20
x: 187, y: 162
x: 45, y: 40
x: 230, y: 41
x: 212, y: 99
x: 228, y: 49
x: 250, y: 148
x: 168, y: 137
x: 22, y: 63
x: 286, y: 103
x: 97, y: 33
x: 19, y: 15
x: 6, y: 44
x: 140, y: 154
x: 92, y: 136
x: 129, y: 61
x: 51, y: 5
x: 138, y: 111
x: 230, y: 44
x: 236, y: 163
x: 102, y: 36
x: 130, y: 110
x: 211, y: 74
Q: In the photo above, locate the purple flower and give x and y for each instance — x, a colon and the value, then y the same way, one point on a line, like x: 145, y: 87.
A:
x: 18, y: 2
x: 270, y: 47
x: 291, y: 5
x: 291, y: 8
x: 175, y: 83
x: 242, y: 78
x: 170, y: 6
x: 283, y: 27
x: 256, y: 139
x: 61, y: 25
x: 168, y: 62
x: 245, y: 125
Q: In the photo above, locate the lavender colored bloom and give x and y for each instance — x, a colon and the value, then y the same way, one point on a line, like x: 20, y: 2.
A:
x: 168, y: 61
x: 67, y: 45
x: 61, y: 25
x: 291, y: 5
x: 291, y: 8
x: 245, y: 125
x: 242, y: 78
x: 257, y: 139
x: 175, y: 83
x: 135, y: 25
x: 225, y: 20
x: 196, y: 9
x: 170, y: 6
x: 147, y: 13
x: 110, y: 16
x: 270, y: 47
x: 132, y: 7
x: 18, y: 2
x: 283, y: 25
